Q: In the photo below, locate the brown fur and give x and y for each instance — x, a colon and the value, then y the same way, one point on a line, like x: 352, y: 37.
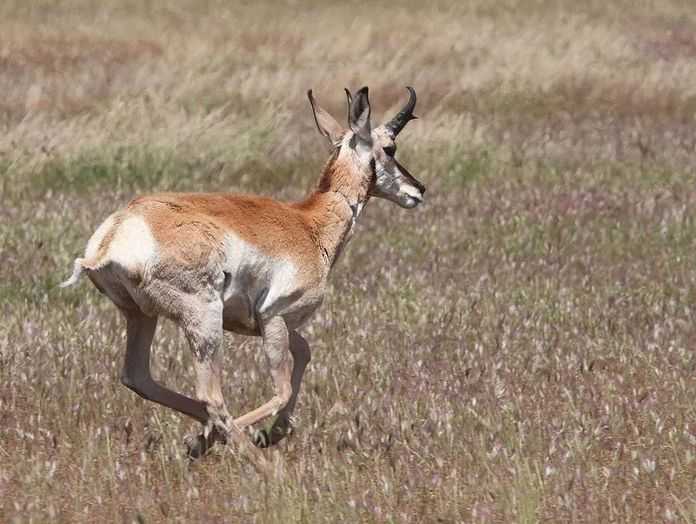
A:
x: 190, y: 227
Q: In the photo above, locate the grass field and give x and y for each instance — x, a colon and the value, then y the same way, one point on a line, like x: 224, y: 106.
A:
x: 518, y: 349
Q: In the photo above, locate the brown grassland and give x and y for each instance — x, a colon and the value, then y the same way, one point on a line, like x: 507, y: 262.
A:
x: 521, y: 348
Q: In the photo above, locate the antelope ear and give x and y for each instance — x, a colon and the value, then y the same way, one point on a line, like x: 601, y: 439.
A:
x: 326, y: 124
x: 359, y: 115
x: 349, y: 98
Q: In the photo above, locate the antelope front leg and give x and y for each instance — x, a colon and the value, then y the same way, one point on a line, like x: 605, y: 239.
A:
x: 276, y: 345
x: 205, y: 338
x: 282, y: 425
x: 209, y: 390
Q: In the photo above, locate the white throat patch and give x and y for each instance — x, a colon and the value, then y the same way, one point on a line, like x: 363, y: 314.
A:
x: 356, y: 209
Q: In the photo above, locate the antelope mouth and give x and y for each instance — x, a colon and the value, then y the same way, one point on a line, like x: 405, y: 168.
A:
x: 411, y: 197
x: 411, y: 201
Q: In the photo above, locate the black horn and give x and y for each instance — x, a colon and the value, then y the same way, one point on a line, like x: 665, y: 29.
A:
x: 396, y: 124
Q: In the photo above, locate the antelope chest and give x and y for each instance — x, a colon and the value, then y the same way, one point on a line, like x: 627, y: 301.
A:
x: 259, y: 286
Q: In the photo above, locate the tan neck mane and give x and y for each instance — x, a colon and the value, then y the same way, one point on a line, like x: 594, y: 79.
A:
x: 333, y: 207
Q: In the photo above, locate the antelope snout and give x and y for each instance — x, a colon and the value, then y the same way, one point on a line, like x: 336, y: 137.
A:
x: 411, y: 196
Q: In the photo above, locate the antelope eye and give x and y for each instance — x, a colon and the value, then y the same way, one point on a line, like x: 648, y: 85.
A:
x: 390, y: 150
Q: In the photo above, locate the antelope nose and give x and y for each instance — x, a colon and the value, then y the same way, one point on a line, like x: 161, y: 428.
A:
x: 414, y: 192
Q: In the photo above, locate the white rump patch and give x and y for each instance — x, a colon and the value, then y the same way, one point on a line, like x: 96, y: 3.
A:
x: 133, y: 245
x: 96, y: 239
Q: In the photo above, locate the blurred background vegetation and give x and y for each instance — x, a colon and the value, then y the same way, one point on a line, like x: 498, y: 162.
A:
x: 519, y: 349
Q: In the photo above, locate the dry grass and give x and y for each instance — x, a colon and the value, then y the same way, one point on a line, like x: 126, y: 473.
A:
x: 520, y: 349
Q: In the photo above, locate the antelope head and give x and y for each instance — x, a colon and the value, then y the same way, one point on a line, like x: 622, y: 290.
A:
x: 374, y: 149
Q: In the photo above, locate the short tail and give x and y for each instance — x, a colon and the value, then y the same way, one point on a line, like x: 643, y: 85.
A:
x: 77, y: 271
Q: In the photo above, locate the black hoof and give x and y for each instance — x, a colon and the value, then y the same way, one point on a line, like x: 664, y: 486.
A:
x: 265, y: 438
x: 199, y: 445
x: 261, y: 439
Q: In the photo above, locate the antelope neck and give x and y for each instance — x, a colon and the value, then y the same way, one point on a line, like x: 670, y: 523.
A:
x: 355, y: 208
x: 336, y: 229
x: 336, y: 204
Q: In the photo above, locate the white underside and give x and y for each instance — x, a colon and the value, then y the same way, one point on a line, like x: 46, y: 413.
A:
x: 258, y: 284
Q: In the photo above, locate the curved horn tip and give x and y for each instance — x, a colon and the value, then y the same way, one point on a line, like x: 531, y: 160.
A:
x: 405, y: 115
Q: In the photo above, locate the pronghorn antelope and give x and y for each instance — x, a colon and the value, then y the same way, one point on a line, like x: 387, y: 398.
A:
x: 241, y: 263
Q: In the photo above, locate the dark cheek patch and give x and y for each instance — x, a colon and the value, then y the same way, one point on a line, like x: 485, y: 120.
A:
x: 373, y: 176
